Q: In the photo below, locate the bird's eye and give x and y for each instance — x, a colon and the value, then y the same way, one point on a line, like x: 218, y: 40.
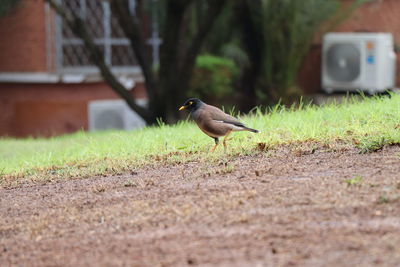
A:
x: 190, y: 103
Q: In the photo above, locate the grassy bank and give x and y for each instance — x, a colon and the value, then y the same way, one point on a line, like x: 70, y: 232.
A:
x: 368, y: 124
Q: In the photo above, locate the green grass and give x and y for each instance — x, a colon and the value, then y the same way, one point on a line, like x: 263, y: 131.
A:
x: 368, y: 125
x: 357, y: 180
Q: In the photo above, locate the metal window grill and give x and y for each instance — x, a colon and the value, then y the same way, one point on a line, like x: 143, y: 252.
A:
x: 72, y: 55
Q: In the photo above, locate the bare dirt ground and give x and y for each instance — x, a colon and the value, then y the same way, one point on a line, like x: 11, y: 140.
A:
x: 293, y: 208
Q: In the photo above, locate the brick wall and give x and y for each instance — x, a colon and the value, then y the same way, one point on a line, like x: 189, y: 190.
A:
x: 50, y: 109
x: 23, y: 38
x: 377, y: 16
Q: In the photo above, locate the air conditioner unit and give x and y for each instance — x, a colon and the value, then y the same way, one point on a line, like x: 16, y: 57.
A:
x: 113, y: 114
x: 358, y: 61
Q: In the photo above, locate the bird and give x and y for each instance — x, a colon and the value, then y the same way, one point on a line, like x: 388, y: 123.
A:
x: 213, y: 121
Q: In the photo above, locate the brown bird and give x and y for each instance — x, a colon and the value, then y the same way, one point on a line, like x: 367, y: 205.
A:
x: 213, y: 121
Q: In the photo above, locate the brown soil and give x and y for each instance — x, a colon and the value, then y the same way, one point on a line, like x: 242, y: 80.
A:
x: 309, y: 209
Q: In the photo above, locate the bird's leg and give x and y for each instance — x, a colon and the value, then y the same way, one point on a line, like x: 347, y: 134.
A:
x: 216, y: 144
x: 226, y: 139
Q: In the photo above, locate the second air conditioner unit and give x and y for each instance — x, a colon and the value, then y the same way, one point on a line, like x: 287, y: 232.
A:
x: 113, y: 114
x: 358, y: 61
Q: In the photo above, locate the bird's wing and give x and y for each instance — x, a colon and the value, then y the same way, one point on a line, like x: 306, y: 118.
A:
x: 218, y: 115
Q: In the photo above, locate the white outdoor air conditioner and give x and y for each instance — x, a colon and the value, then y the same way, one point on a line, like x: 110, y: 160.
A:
x: 113, y: 114
x: 358, y: 62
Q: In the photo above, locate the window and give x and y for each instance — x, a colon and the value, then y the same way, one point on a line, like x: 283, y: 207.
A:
x: 108, y: 36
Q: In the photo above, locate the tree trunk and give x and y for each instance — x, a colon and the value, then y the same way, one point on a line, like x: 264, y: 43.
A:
x: 253, y: 41
x: 177, y: 61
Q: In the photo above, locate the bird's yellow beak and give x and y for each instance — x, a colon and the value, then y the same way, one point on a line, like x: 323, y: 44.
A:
x: 182, y: 108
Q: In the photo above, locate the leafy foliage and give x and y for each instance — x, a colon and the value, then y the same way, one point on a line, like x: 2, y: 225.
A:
x: 289, y: 28
x: 270, y: 39
x: 213, y: 76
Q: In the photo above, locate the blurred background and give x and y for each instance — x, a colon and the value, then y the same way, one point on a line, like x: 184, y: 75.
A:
x: 70, y: 65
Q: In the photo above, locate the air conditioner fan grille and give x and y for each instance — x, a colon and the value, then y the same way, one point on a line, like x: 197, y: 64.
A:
x: 343, y: 62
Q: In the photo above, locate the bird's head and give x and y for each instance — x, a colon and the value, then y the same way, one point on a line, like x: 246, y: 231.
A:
x: 192, y: 104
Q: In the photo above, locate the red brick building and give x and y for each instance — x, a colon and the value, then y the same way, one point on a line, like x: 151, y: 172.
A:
x: 45, y: 86
x: 46, y: 82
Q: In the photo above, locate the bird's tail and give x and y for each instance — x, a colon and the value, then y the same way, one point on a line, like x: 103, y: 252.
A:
x: 252, y: 130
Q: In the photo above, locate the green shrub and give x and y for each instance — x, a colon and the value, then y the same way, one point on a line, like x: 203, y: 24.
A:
x: 213, y: 77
